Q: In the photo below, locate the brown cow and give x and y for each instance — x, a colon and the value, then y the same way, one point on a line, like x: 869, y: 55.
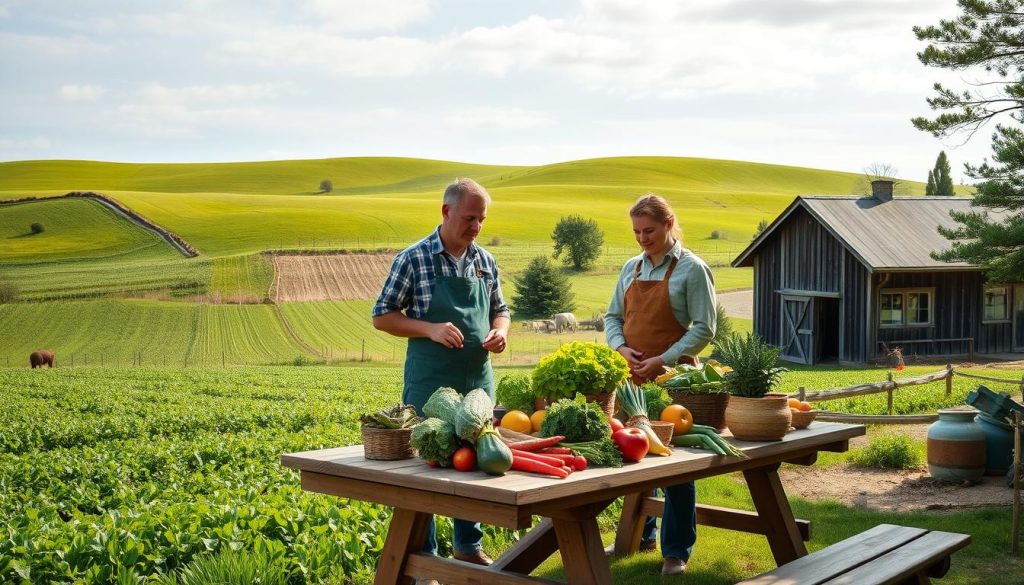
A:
x: 41, y: 357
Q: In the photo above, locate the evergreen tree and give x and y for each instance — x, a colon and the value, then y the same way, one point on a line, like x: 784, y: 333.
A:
x: 541, y: 291
x: 987, y: 36
x: 929, y: 189
x: 580, y: 238
x: 941, y: 177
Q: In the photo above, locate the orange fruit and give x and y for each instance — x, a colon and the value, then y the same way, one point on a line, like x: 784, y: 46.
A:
x: 794, y: 403
x: 517, y: 420
x: 805, y: 406
x: 536, y: 419
x: 678, y: 415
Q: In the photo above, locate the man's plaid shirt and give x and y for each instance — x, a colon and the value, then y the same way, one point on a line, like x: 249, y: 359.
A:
x: 410, y: 283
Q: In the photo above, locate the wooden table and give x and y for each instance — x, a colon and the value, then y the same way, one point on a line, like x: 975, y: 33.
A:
x: 569, y: 506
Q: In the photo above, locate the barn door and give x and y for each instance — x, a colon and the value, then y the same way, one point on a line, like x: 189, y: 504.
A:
x: 798, y: 329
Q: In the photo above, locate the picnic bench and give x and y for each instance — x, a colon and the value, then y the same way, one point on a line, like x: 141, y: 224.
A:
x: 569, y: 507
x: 884, y: 555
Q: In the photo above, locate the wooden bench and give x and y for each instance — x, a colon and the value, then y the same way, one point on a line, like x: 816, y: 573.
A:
x: 886, y: 554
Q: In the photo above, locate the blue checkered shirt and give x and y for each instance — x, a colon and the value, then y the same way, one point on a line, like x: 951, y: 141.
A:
x: 410, y: 283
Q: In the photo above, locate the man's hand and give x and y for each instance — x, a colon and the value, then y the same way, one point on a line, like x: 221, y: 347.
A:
x: 650, y: 368
x: 447, y: 335
x: 633, y: 357
x: 495, y: 341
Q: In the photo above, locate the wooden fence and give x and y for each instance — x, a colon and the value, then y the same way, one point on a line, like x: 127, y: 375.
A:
x: 889, y: 386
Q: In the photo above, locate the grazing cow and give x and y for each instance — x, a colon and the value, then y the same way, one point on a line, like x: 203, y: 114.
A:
x: 41, y: 357
x: 547, y: 325
x: 565, y: 321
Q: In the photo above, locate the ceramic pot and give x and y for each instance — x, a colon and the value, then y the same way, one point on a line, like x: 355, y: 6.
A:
x: 956, y: 446
x: 998, y: 444
x: 759, y: 419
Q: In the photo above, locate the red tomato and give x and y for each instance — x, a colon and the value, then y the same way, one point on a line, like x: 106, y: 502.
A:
x: 632, y: 443
x: 616, y: 424
x: 464, y: 459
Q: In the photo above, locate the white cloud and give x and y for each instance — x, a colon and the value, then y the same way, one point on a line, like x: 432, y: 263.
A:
x: 80, y: 93
x: 37, y: 143
x: 368, y: 15
x: 503, y: 118
x: 160, y: 93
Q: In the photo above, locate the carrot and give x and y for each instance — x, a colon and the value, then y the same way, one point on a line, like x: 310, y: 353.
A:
x: 580, y: 463
x: 535, y: 444
x: 555, y: 451
x: 569, y: 459
x: 532, y: 466
x: 553, y: 461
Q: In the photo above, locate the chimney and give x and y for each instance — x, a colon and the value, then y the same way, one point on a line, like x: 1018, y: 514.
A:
x: 881, y: 190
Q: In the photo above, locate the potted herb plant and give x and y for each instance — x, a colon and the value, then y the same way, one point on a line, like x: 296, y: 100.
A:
x: 754, y: 412
x: 591, y: 369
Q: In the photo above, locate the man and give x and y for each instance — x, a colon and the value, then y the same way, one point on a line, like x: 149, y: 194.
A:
x: 454, y: 315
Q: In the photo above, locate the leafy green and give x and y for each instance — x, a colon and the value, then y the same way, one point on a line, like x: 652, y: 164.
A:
x: 475, y: 411
x: 397, y: 417
x: 579, y: 368
x: 657, y: 399
x: 515, y: 392
x: 601, y: 452
x: 435, y: 440
x: 754, y: 365
x: 443, y: 404
x: 576, y: 420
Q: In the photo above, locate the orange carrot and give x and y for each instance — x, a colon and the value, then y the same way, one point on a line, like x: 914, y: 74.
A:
x: 533, y: 466
x: 553, y: 461
x: 535, y: 444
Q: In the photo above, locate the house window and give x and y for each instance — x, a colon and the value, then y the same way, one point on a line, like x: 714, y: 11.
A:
x: 996, y: 304
x: 892, y: 309
x: 905, y: 308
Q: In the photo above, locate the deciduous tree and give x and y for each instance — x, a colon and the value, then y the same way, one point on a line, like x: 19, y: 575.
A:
x: 580, y: 238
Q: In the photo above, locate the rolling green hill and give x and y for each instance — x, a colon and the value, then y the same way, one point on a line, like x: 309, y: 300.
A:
x: 233, y: 211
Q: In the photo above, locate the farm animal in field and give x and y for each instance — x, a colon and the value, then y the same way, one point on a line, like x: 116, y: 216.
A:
x: 41, y: 357
x: 547, y: 325
x: 565, y: 321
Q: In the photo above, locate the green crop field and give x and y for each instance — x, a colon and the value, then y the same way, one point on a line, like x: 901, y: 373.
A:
x: 232, y: 212
x: 126, y: 475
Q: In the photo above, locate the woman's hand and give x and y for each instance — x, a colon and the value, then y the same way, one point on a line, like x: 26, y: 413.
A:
x: 632, y: 356
x: 650, y: 368
x: 495, y: 341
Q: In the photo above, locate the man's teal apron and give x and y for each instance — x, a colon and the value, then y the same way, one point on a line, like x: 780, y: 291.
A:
x: 466, y: 303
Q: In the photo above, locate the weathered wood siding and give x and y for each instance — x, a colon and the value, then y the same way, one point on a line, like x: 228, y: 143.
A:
x: 957, y: 313
x: 853, y: 308
x: 811, y: 255
x: 768, y: 279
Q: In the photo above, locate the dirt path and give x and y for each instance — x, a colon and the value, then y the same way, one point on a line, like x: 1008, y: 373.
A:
x: 890, y: 490
x: 738, y: 303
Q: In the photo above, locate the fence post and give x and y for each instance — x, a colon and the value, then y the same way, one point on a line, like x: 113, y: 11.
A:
x: 1022, y: 388
x: 802, y: 394
x: 888, y: 391
x: 363, y: 359
x: 949, y: 379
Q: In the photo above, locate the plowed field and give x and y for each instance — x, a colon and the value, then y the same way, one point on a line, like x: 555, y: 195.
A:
x: 336, y: 277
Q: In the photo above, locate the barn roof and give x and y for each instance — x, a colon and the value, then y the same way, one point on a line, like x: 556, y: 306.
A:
x: 884, y: 235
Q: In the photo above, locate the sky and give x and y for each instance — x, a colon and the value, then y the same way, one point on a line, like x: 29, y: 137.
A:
x: 828, y: 84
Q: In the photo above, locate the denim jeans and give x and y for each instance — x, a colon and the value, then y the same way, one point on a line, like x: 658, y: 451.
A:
x: 467, y: 537
x: 678, y: 522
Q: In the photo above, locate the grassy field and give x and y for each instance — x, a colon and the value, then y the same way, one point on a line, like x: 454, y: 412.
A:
x: 119, y: 475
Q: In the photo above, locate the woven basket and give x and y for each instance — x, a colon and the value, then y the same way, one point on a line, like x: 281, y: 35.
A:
x: 605, y: 401
x: 387, y: 444
x: 802, y: 418
x: 707, y: 409
x: 664, y: 431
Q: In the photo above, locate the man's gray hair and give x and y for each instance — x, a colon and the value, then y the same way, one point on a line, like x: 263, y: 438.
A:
x: 459, y: 188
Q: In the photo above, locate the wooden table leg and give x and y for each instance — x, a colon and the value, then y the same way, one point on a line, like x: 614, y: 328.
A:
x: 631, y: 525
x: 579, y: 542
x: 772, y: 506
x: 531, y: 550
x: 406, y: 533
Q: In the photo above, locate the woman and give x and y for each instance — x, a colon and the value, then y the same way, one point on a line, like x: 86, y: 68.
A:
x: 663, y: 313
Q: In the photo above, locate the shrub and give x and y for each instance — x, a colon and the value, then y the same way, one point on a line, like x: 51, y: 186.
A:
x: 302, y: 360
x: 719, y: 235
x: 37, y: 228
x: 494, y: 241
x: 229, y: 567
x: 326, y: 186
x: 889, y: 452
x: 8, y: 291
x: 723, y: 328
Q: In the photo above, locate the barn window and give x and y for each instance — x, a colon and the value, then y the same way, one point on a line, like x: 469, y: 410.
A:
x: 905, y: 308
x: 996, y: 304
x: 892, y: 308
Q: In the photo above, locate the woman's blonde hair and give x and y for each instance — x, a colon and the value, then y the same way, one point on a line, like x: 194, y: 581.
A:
x: 655, y: 207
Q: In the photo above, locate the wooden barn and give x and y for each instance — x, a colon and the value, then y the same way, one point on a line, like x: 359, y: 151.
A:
x: 842, y: 278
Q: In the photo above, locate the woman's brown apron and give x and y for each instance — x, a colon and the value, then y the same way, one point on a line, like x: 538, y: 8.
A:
x: 649, y: 325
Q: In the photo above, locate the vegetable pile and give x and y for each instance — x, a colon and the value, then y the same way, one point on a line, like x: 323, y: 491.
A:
x: 455, y: 423
x: 705, y: 380
x: 400, y: 416
x: 631, y: 397
x: 576, y: 420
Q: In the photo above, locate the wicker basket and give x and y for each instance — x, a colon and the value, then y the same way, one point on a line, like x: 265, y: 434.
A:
x: 664, y: 431
x: 605, y: 401
x: 387, y: 444
x: 803, y: 418
x: 707, y: 409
